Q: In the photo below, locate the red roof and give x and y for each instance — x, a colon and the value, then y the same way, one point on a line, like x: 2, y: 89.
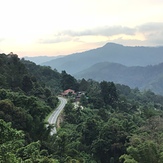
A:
x: 66, y: 92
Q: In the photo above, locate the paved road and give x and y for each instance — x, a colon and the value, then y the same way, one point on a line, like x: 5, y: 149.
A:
x: 53, y: 118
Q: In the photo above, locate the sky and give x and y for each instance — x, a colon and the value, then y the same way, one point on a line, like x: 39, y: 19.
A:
x: 61, y: 27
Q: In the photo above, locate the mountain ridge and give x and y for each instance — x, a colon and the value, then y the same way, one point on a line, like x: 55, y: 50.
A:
x: 147, y: 77
x: 111, y: 52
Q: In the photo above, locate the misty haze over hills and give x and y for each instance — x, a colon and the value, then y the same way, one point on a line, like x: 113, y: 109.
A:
x: 133, y: 66
x: 111, y: 52
x: 41, y: 59
x: 145, y: 78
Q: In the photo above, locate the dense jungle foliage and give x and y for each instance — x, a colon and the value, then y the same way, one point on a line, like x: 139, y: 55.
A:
x: 110, y: 123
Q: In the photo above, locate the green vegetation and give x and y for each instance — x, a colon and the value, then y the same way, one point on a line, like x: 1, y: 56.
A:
x: 112, y: 123
x: 117, y: 124
x: 148, y: 77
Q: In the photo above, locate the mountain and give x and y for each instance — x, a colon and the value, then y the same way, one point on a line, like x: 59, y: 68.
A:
x: 148, y: 77
x: 111, y: 52
x: 40, y: 59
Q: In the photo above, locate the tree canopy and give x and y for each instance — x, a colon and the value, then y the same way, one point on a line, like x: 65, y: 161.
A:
x: 104, y: 123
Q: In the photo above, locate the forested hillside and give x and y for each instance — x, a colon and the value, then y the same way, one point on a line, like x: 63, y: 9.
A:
x: 149, y: 77
x: 27, y: 95
x: 111, y: 123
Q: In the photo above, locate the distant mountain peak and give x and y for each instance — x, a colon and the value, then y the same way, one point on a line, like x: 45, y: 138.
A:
x: 111, y: 52
x: 111, y: 44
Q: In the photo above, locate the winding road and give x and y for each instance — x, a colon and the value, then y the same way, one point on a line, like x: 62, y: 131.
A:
x: 53, y: 117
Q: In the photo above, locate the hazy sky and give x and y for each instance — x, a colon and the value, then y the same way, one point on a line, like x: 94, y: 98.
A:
x: 57, y: 27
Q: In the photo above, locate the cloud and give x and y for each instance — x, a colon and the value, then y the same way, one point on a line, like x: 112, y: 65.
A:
x: 75, y: 35
x: 152, y: 26
x: 145, y: 34
x: 151, y: 35
x: 152, y: 32
x: 102, y: 31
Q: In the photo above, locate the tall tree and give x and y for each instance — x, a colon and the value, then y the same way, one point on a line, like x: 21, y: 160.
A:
x: 68, y: 81
x: 109, y: 93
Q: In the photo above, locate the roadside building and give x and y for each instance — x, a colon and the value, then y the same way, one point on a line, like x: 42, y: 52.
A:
x: 68, y: 92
